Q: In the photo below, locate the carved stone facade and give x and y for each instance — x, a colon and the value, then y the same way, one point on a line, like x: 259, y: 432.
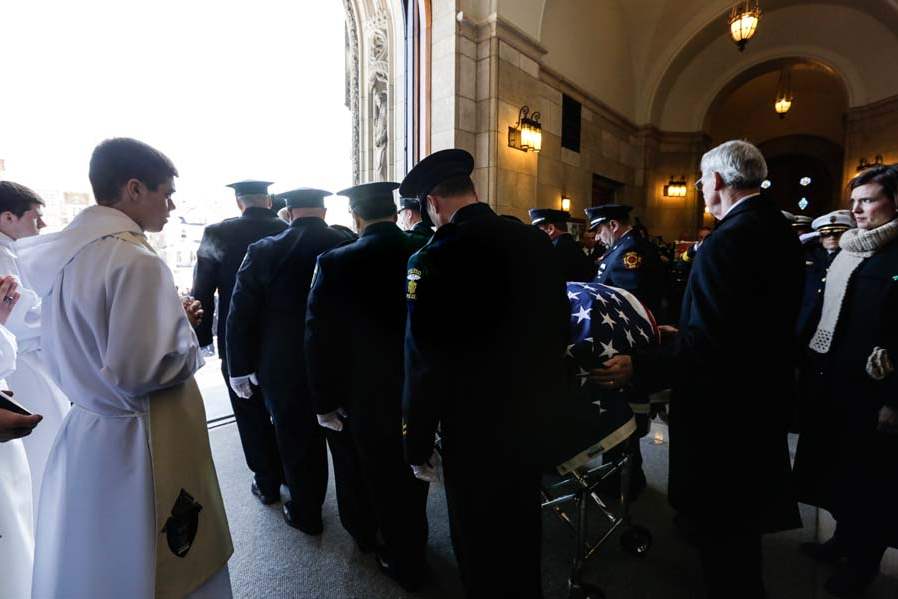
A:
x: 374, y: 93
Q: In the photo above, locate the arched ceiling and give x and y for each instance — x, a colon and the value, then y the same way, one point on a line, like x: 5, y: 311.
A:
x: 744, y: 109
x: 664, y: 38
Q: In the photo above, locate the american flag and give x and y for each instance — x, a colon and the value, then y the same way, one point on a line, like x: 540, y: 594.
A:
x: 605, y: 321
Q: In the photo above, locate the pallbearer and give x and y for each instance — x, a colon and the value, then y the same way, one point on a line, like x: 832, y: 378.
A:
x: 219, y: 256
x: 485, y: 339
x: 355, y: 325
x: 574, y: 264
x: 265, y: 332
x: 410, y: 219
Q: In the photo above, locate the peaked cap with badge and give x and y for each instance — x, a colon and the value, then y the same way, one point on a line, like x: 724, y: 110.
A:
x: 837, y: 221
x: 602, y: 214
x: 433, y: 170
x: 546, y: 216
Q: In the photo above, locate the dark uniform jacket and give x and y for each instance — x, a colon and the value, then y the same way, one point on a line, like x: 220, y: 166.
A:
x: 355, y: 329
x: 487, y: 330
x: 633, y: 264
x: 732, y: 367
x: 574, y: 264
x: 421, y: 233
x: 843, y: 464
x: 816, y: 262
x: 219, y: 256
x: 266, y: 323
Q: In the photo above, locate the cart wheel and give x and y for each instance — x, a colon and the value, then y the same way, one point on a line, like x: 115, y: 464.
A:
x: 636, y: 541
x: 585, y: 591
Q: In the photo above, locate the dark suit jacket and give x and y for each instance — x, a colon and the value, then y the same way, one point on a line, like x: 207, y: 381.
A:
x: 732, y: 368
x: 817, y: 261
x: 488, y: 321
x: 219, y: 256
x: 355, y: 327
x: 266, y: 323
x: 574, y: 264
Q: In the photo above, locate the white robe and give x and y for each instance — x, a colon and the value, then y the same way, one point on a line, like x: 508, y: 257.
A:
x: 31, y: 382
x: 114, y: 331
x: 16, y: 518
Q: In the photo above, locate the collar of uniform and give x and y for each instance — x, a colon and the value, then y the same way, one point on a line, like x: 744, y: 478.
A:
x: 621, y: 240
x: 6, y: 241
x: 471, y: 211
x: 305, y: 221
x: 384, y: 228
x: 257, y: 212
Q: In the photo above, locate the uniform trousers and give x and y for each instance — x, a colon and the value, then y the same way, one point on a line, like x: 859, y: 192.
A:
x: 257, y: 437
x: 353, y: 498
x: 495, y: 522
x: 400, y: 503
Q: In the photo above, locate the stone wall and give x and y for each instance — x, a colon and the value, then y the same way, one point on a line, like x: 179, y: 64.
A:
x: 871, y: 130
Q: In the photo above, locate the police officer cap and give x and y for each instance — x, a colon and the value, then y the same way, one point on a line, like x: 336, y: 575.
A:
x: 250, y: 188
x: 371, y: 194
x: 304, y: 197
x: 545, y: 216
x: 435, y: 169
x: 836, y: 221
x: 797, y: 220
x: 409, y: 204
x: 601, y: 214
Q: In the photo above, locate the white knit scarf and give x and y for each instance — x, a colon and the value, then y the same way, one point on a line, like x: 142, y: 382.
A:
x: 857, y: 245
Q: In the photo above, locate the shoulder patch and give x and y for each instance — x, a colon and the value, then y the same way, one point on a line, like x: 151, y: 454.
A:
x: 632, y: 260
x: 413, y: 276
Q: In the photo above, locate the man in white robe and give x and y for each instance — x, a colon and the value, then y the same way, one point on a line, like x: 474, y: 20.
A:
x: 20, y: 217
x: 131, y: 505
x: 16, y: 528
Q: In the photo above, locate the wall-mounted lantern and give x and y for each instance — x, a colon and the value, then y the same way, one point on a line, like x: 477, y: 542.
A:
x: 566, y: 203
x: 675, y: 188
x: 527, y: 134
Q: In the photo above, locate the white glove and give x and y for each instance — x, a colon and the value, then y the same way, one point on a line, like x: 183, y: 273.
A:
x: 241, y: 385
x: 431, y: 470
x: 332, y: 420
x: 208, y: 351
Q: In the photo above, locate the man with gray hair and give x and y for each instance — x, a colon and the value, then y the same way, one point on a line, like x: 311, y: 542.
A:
x: 731, y: 366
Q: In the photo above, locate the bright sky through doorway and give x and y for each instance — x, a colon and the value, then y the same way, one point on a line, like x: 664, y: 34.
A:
x: 229, y: 90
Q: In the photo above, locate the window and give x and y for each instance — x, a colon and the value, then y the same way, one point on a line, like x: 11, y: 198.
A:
x: 570, y: 123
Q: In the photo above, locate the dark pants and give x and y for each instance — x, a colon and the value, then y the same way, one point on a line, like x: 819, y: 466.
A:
x: 257, y: 437
x: 731, y: 562
x: 400, y: 504
x: 353, y: 499
x: 302, y: 446
x: 496, y: 526
x: 864, y: 543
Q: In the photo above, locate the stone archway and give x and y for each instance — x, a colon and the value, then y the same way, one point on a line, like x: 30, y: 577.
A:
x: 375, y: 91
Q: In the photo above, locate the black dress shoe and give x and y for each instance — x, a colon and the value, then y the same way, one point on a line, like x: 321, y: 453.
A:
x: 829, y: 552
x: 411, y: 579
x: 265, y: 498
x: 850, y: 581
x: 310, y: 525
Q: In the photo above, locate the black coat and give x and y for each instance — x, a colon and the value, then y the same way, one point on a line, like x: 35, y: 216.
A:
x: 574, y: 264
x: 266, y: 322
x: 487, y: 329
x: 355, y: 329
x: 219, y: 256
x: 633, y: 264
x: 731, y: 368
x: 843, y: 464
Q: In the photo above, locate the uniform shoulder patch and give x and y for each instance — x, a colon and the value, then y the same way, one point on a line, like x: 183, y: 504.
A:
x: 412, y: 277
x: 632, y: 260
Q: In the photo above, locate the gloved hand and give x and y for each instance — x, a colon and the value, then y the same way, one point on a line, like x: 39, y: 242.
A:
x: 242, y: 385
x: 208, y: 351
x: 429, y: 471
x: 332, y: 420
